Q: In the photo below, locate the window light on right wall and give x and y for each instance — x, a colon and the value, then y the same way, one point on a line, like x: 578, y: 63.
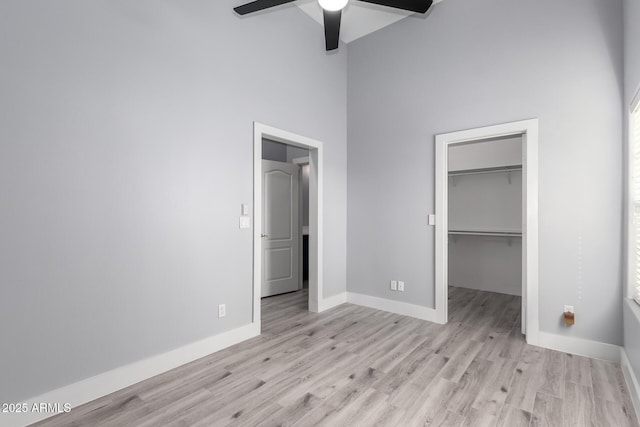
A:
x: 634, y: 200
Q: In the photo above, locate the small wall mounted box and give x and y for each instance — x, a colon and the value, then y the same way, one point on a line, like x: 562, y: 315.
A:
x: 569, y: 318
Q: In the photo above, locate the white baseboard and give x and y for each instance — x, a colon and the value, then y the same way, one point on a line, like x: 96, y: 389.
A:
x: 332, y: 301
x: 580, y: 347
x: 108, y: 382
x: 398, y: 307
x: 631, y: 379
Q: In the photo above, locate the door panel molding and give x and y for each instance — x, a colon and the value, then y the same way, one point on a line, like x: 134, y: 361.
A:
x: 281, y: 227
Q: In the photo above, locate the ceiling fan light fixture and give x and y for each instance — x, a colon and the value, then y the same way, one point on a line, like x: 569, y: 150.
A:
x: 333, y: 5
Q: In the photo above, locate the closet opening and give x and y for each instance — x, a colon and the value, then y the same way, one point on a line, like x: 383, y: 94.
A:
x: 486, y: 229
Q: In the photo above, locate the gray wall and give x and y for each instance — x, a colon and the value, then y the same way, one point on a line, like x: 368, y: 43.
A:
x: 126, y: 150
x: 486, y: 202
x: 631, y: 86
x: 486, y: 263
x: 296, y: 152
x: 496, y: 152
x: 631, y: 49
x: 279, y: 152
x: 274, y: 151
x: 476, y: 63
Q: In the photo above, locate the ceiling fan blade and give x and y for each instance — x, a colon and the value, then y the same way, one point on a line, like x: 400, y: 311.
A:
x: 420, y: 6
x: 332, y: 28
x: 258, y: 5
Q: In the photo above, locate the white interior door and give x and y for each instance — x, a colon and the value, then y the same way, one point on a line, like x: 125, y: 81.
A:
x: 280, y: 227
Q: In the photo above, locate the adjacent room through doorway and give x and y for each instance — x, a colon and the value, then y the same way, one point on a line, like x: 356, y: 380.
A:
x: 285, y: 218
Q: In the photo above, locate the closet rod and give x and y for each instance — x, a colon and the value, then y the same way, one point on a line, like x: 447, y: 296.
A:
x: 485, y: 233
x: 486, y: 170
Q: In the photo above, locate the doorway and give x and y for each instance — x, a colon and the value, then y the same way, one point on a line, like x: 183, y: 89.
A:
x: 519, y: 225
x: 285, y: 218
x: 285, y: 276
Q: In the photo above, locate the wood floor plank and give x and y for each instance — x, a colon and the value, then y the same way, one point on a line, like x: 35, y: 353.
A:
x: 168, y: 412
x: 289, y: 415
x: 511, y: 416
x: 430, y: 403
x: 515, y: 344
x: 579, y: 410
x: 386, y: 415
x: 368, y: 402
x: 404, y: 371
x: 614, y: 414
x: 548, y: 411
x: 471, y: 383
x: 318, y: 380
x: 396, y: 354
x: 495, y: 345
x: 460, y: 360
x: 427, y: 373
x: 527, y: 379
x: 479, y: 418
x: 578, y: 370
x: 627, y: 405
x: 605, y: 383
x: 492, y: 396
x: 553, y: 373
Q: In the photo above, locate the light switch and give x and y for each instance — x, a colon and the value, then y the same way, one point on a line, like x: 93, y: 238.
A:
x: 432, y: 219
x: 245, y: 209
x: 245, y: 221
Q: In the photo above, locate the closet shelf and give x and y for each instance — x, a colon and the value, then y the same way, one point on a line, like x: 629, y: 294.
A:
x: 486, y: 170
x: 485, y: 233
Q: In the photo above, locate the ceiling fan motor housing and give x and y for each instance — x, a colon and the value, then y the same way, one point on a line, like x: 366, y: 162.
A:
x: 333, y: 5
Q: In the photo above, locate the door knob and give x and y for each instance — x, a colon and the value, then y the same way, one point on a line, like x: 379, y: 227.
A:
x: 264, y: 236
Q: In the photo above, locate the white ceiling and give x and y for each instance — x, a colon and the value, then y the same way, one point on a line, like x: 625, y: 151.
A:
x: 358, y: 18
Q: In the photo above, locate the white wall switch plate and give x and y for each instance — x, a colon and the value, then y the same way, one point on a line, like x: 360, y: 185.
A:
x: 401, y: 286
x: 222, y: 310
x: 245, y: 221
x: 432, y: 219
x: 245, y: 209
x: 568, y: 309
x: 394, y: 285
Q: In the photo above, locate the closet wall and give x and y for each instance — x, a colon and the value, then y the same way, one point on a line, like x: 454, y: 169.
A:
x: 485, y: 196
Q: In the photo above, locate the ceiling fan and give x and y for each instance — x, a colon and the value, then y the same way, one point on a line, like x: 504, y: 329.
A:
x: 332, y: 10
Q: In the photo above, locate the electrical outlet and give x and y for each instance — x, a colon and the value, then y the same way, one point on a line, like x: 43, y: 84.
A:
x: 222, y: 310
x: 568, y: 309
x: 401, y: 286
x: 394, y: 285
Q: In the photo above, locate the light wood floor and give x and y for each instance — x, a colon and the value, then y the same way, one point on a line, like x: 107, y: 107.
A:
x: 356, y: 366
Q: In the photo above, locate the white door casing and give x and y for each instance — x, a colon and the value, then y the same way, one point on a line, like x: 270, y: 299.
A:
x: 280, y: 227
x: 316, y: 214
x: 528, y: 129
